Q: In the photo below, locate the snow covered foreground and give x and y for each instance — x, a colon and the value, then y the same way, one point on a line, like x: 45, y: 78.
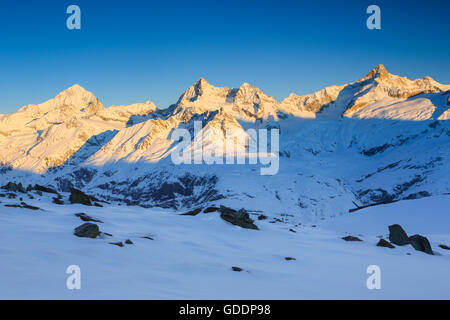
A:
x: 191, y: 256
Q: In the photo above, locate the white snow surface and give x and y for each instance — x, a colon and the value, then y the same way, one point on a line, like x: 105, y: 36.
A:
x: 191, y: 257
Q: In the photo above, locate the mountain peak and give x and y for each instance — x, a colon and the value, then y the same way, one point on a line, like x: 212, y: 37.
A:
x: 76, y: 88
x: 201, y: 86
x: 76, y: 91
x: 78, y: 97
x: 201, y: 81
x: 247, y: 85
x: 380, y: 68
x: 378, y: 72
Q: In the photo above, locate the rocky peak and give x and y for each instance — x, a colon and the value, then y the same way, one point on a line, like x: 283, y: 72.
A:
x: 201, y: 86
x: 76, y: 89
x: 78, y: 97
x: 379, y: 72
x: 201, y: 90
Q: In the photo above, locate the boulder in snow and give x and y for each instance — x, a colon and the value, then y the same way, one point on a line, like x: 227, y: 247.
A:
x: 13, y: 187
x: 211, y: 209
x: 239, y: 218
x: 420, y: 243
x: 77, y: 196
x: 384, y: 243
x: 397, y: 235
x: 58, y: 201
x: 290, y: 259
x: 351, y: 238
x: 193, y: 212
x: 119, y: 244
x: 87, y: 230
x: 44, y: 189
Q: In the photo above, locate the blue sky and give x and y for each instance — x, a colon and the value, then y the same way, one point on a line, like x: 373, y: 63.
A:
x: 132, y: 51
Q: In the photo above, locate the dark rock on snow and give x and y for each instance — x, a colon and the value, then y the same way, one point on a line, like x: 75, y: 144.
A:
x: 87, y: 218
x: 128, y: 241
x: 211, y: 209
x: 22, y: 205
x: 239, y: 218
x: 119, y: 244
x: 57, y: 201
x: 351, y: 238
x: 87, y: 230
x: 289, y: 259
x: 27, y: 206
x: 420, y: 243
x: 443, y: 246
x: 397, y: 235
x: 384, y: 243
x: 237, y: 269
x: 77, y: 196
x: 12, y: 187
x: 193, y: 212
x: 44, y: 189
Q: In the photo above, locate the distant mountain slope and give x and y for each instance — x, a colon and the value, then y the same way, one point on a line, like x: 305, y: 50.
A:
x: 380, y: 138
x: 39, y: 137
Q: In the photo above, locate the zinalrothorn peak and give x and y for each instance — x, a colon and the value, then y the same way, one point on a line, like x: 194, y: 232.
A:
x: 378, y: 72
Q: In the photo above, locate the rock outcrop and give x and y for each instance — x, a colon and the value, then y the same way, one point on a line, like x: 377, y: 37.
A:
x: 351, y: 238
x: 397, y: 235
x: 384, y: 243
x: 87, y: 230
x: 239, y: 218
x: 77, y: 196
x: 420, y: 243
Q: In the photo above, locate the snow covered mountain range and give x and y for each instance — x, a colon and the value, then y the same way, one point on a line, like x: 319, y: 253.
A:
x: 380, y: 138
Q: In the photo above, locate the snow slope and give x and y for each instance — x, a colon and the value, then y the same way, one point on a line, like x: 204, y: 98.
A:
x: 191, y: 257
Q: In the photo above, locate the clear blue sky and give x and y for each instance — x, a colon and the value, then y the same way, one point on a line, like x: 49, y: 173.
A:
x: 135, y: 50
